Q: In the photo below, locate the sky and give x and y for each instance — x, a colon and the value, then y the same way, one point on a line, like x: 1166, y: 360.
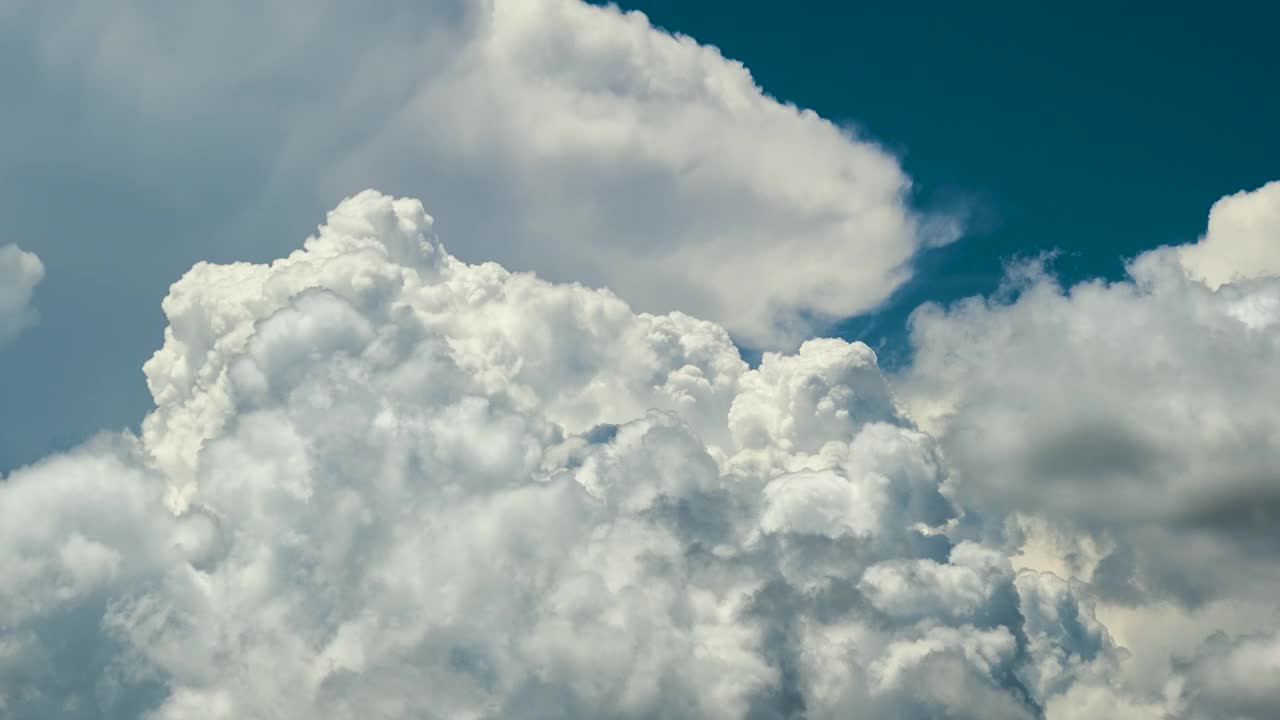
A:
x: 540, y: 358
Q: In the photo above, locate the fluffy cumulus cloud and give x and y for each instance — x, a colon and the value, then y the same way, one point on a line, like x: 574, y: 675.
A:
x: 566, y: 138
x: 20, y: 272
x: 1127, y: 432
x: 381, y: 482
x: 1241, y: 241
x: 383, y: 479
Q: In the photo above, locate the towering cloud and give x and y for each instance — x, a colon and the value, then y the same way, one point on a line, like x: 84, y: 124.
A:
x: 379, y: 481
x: 383, y: 479
x: 20, y: 272
x: 570, y: 139
x: 1241, y: 243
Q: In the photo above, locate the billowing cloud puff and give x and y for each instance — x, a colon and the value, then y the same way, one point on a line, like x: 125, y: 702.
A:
x: 20, y: 272
x: 1126, y: 429
x: 566, y: 138
x: 1243, y: 241
x: 381, y: 482
x: 1145, y: 404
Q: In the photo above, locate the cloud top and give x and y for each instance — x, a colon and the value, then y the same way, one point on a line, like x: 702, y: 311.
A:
x: 381, y: 480
x: 573, y: 140
x: 1243, y: 240
x: 20, y: 272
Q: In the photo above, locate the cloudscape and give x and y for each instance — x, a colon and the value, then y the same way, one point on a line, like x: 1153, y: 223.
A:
x: 500, y: 374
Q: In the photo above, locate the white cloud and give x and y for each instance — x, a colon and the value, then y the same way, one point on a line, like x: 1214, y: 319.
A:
x: 574, y: 140
x: 1125, y: 434
x: 1243, y: 241
x: 923, y: 588
x: 381, y: 481
x: 20, y: 272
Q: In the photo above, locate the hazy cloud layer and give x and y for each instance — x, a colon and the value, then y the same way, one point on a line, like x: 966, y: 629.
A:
x: 1232, y: 678
x: 20, y: 272
x: 381, y: 482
